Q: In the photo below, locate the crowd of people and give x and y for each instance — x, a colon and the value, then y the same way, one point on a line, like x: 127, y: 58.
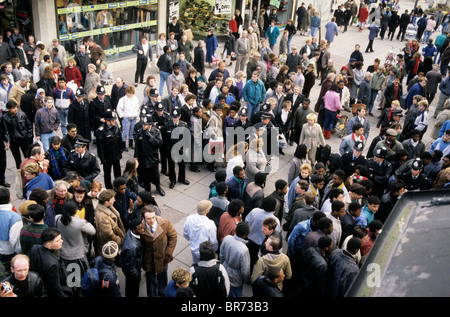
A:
x: 327, y: 211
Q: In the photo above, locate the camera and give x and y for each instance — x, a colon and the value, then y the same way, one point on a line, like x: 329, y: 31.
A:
x: 6, y: 287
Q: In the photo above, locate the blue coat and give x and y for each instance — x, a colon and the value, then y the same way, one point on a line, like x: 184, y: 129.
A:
x: 416, y: 89
x: 254, y: 93
x: 272, y: 36
x: 211, y: 46
x: 332, y: 30
x: 315, y: 22
x: 373, y: 31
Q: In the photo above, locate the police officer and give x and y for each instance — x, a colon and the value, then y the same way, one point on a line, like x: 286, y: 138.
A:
x: 264, y: 129
x: 160, y: 118
x: 352, y: 159
x: 166, y: 131
x: 109, y: 147
x: 153, y: 99
x: 100, y: 105
x: 243, y: 122
x: 149, y: 141
x: 380, y: 171
x: 83, y: 162
x: 81, y: 114
x: 413, y: 178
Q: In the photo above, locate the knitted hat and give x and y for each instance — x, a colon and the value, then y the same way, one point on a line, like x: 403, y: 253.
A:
x: 204, y: 206
x: 110, y: 250
x: 23, y: 208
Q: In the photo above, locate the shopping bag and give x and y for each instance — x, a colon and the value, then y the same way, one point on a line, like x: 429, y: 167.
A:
x: 18, y: 186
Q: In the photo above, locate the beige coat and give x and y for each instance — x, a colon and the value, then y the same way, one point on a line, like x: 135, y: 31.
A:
x: 312, y: 137
x: 17, y: 92
x: 109, y: 226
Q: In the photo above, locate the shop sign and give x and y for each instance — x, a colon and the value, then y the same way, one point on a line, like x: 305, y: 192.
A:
x: 222, y: 7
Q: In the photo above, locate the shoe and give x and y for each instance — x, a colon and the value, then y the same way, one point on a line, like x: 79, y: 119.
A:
x: 5, y: 184
x: 372, y: 51
x: 371, y: 114
x: 135, y: 84
x: 212, y: 169
x: 185, y: 182
x: 172, y: 185
x: 160, y: 191
x: 142, y: 82
x: 130, y: 143
x: 195, y: 170
x: 165, y: 173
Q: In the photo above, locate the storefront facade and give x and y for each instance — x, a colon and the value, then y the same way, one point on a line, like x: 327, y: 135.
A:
x: 116, y: 26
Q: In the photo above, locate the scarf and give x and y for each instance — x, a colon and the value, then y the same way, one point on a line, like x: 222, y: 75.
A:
x: 361, y: 138
x: 54, y: 162
x: 416, y: 65
x: 58, y: 204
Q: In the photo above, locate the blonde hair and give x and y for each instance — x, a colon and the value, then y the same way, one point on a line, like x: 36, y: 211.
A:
x: 272, y: 101
x: 312, y: 116
x: 306, y: 166
x: 31, y: 168
x: 255, y: 143
x: 240, y: 74
x: 237, y: 149
x: 424, y: 103
x: 181, y: 275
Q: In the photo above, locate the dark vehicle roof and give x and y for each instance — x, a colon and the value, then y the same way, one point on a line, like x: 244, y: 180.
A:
x: 411, y: 256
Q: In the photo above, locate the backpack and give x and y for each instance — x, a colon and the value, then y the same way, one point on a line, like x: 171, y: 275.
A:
x: 208, y: 281
x: 91, y: 286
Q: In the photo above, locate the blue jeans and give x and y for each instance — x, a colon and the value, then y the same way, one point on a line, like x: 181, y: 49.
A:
x: 236, y: 291
x: 444, y: 27
x: 289, y: 43
x: 373, y: 96
x: 163, y: 79
x: 252, y: 109
x: 328, y: 122
x: 45, y: 139
x: 314, y: 31
x: 438, y: 53
x: 127, y: 128
x: 63, y: 113
x: 156, y: 283
x: 426, y: 36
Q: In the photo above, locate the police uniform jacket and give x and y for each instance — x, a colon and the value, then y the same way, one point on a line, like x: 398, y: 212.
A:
x: 380, y: 173
x: 160, y: 121
x: 109, y: 143
x: 349, y: 163
x: 86, y: 166
x: 82, y: 115
x: 166, y: 132
x: 98, y: 109
x: 148, y: 143
x: 411, y: 183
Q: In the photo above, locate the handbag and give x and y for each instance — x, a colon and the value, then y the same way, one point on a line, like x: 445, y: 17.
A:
x: 233, y: 56
x: 282, y: 143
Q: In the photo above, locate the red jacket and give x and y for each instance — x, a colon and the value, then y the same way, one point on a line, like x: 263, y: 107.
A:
x: 363, y: 15
x: 233, y: 26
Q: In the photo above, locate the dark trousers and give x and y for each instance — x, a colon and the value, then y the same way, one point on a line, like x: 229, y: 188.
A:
x: 369, y: 46
x: 253, y: 249
x: 132, y: 286
x: 141, y: 65
x: 391, y: 34
x: 16, y: 146
x: 107, y: 166
x: 2, y: 165
x: 383, y: 32
x: 181, y: 170
x: 164, y: 160
x: 156, y: 283
x: 401, y: 32
x: 150, y: 175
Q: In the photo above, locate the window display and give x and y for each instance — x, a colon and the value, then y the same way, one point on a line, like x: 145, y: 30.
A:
x: 203, y: 15
x: 116, y: 26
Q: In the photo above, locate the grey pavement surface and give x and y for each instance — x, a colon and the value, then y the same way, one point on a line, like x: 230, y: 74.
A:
x: 181, y: 201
